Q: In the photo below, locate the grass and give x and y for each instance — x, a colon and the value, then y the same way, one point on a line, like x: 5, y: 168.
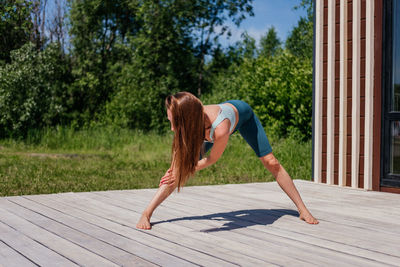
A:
x: 64, y: 160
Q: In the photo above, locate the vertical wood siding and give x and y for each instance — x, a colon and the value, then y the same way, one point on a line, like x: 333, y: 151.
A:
x: 319, y: 10
x: 355, y: 109
x: 369, y: 94
x: 345, y: 93
x: 330, y: 137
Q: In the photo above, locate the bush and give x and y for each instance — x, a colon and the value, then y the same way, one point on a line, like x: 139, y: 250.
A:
x: 279, y: 89
x: 139, y: 102
x: 32, y: 90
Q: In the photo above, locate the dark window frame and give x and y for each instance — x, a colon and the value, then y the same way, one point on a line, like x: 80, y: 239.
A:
x: 387, y: 179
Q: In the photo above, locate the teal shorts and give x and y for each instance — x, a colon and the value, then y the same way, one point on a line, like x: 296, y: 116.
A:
x: 250, y: 129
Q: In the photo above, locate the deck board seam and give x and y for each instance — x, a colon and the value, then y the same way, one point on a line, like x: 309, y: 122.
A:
x: 279, y: 205
x: 313, y: 236
x: 324, y: 239
x: 24, y: 256
x: 163, y: 238
x: 199, y: 197
x: 34, y: 240
x: 68, y: 240
x: 116, y: 222
x: 336, y: 242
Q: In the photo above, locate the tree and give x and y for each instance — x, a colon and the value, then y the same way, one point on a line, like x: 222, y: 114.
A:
x: 15, y: 26
x: 269, y: 43
x: 162, y: 42
x: 57, y: 25
x: 161, y: 62
x: 308, y: 5
x: 247, y: 46
x: 32, y: 90
x: 99, y: 33
x: 300, y: 40
x: 208, y: 22
x: 38, y: 35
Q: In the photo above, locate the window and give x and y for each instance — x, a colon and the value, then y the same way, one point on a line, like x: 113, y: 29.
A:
x: 391, y: 95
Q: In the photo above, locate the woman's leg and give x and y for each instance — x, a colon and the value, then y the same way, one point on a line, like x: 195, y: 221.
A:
x: 287, y: 185
x: 254, y: 134
x: 163, y: 192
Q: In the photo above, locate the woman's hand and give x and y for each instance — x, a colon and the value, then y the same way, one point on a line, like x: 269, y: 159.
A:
x: 168, y: 178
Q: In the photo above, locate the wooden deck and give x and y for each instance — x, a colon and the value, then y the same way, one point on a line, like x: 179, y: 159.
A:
x: 243, y: 224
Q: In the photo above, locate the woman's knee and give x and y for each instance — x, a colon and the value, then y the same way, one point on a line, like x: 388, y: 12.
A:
x: 271, y: 163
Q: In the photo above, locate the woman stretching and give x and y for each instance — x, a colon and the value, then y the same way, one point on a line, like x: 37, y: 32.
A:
x: 198, y: 128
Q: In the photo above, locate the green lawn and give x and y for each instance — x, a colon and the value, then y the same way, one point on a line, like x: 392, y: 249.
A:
x: 63, y: 160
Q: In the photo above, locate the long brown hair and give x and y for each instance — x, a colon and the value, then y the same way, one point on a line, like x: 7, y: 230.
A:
x: 188, y: 123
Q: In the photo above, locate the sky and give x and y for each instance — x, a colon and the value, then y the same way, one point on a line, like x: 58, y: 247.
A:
x: 267, y: 13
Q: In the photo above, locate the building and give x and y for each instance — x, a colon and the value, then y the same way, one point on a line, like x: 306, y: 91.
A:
x: 356, y: 94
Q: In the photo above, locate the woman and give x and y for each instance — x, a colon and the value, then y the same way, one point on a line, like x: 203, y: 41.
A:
x: 198, y: 128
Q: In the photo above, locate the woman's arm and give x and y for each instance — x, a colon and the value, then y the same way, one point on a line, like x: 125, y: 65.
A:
x: 220, y: 142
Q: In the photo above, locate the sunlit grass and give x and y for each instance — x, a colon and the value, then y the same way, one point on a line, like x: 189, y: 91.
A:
x: 64, y: 160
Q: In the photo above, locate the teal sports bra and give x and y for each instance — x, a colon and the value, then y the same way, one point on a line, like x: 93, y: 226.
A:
x: 226, y: 112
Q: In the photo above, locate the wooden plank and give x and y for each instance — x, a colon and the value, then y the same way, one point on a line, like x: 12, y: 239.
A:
x: 343, y: 94
x: 318, y: 90
x: 159, y: 251
x: 357, y: 211
x: 318, y: 245
x: 256, y: 199
x: 101, y: 200
x: 250, y: 237
x: 316, y: 192
x: 32, y: 250
x: 259, y: 202
x: 241, y: 253
x: 378, y: 245
x: 377, y: 109
x: 279, y: 200
x: 11, y: 258
x: 180, y: 235
x: 58, y: 244
x: 63, y: 225
x: 233, y: 216
x: 240, y: 238
x: 239, y: 223
x: 375, y: 203
x: 330, y: 148
x: 355, y: 114
x: 369, y: 95
x: 177, y: 209
x: 326, y: 192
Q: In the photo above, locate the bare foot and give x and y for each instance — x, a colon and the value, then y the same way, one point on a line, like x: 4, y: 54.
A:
x: 308, y: 218
x: 144, y: 223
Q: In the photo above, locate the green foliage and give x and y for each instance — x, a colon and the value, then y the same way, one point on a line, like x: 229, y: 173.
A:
x: 206, y: 23
x: 161, y: 62
x: 300, y: 39
x: 98, y: 28
x: 127, y: 56
x: 279, y: 89
x: 246, y: 48
x: 280, y: 92
x: 32, y: 90
x: 15, y: 26
x: 277, y: 83
x: 308, y: 5
x: 270, y: 43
